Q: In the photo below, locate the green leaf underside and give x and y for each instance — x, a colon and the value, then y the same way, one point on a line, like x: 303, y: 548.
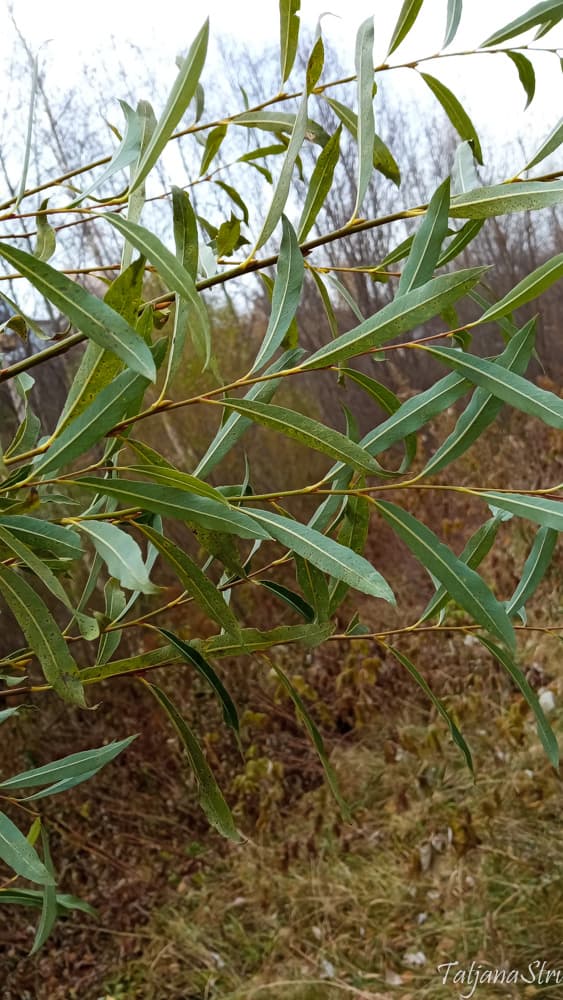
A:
x: 366, y: 121
x: 17, y: 852
x: 86, y: 761
x: 465, y: 586
x: 535, y: 568
x: 210, y: 796
x: 285, y: 297
x: 548, y: 513
x: 121, y: 555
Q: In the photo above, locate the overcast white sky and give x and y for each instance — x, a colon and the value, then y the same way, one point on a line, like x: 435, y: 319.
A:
x: 165, y: 28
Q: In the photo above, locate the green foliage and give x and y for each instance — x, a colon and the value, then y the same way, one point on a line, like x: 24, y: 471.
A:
x: 117, y: 512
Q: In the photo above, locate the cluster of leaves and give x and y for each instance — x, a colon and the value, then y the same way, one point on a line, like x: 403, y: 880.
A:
x: 136, y: 490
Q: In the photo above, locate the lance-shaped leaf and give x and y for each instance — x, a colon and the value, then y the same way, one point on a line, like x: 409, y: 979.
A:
x: 180, y: 96
x: 398, y: 317
x: 304, y: 715
x: 286, y: 294
x: 175, y: 276
x: 407, y: 17
x: 383, y: 160
x: 320, y: 184
x: 34, y: 898
x: 506, y: 385
x: 121, y: 555
x: 280, y: 121
x: 114, y: 609
x: 427, y: 243
x: 527, y: 289
x: 463, y: 238
x: 17, y: 852
x: 326, y: 554
x: 73, y: 766
x: 535, y: 568
x: 389, y: 402
x: 212, y: 147
x: 473, y: 554
x: 297, y: 138
x: 49, y: 904
x: 366, y: 120
x: 545, y: 731
x: 125, y: 154
x: 180, y: 480
x: 89, y: 314
x: 464, y: 173
x: 136, y: 199
x: 483, y: 408
x: 352, y: 535
x: 43, y: 636
x: 548, y: 10
x: 98, y: 367
x: 194, y: 580
x: 453, y: 19
x: 526, y: 74
x: 438, y: 704
x: 466, y: 587
x: 503, y: 199
x: 185, y: 231
x: 205, y: 670
x: 176, y: 503
x: 27, y: 556
x: 294, y: 600
x: 308, y: 432
x: 42, y: 536
x: 455, y: 112
x: 289, y: 35
x: 553, y: 141
x: 314, y: 585
x: 234, y: 427
x: 210, y: 795
x: 92, y: 424
x: 548, y: 513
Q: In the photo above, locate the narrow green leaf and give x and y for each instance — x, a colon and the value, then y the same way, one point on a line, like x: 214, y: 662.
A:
x: 29, y: 133
x: 115, y: 604
x: 502, y: 199
x: 545, y: 731
x: 194, y: 580
x: 185, y: 231
x: 121, y: 555
x: 92, y: 424
x: 455, y: 112
x: 407, y: 17
x: 280, y: 121
x: 345, y: 294
x: 535, y: 568
x: 366, y: 120
x: 49, y: 906
x: 290, y: 597
x: 289, y: 35
x: 297, y: 138
x: 505, y: 385
x: 403, y: 314
x: 35, y: 564
x: 177, y: 104
x: 314, y: 585
x: 180, y: 480
x: 478, y: 546
x: 212, y: 146
x: 438, y: 704
x: 548, y: 513
x: 320, y: 184
x: 526, y: 74
x: 7, y: 713
x: 327, y: 304
x: 42, y: 536
x: 210, y: 795
x: 427, y: 243
x: 452, y: 23
x: 191, y: 655
x: 136, y: 199
x: 34, y: 898
x: 84, y: 762
x: 43, y: 635
x: 286, y: 294
x: 326, y: 554
x: 483, y: 408
x: 548, y: 10
x: 17, y: 852
x: 176, y: 503
x: 464, y: 172
x: 125, y: 154
x: 553, y: 141
x: 316, y: 739
x: 383, y: 160
x: 64, y: 785
x: 460, y: 241
x: 46, y: 242
x: 466, y: 587
x: 89, y: 314
x: 529, y: 288
x: 308, y: 432
x: 234, y: 427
